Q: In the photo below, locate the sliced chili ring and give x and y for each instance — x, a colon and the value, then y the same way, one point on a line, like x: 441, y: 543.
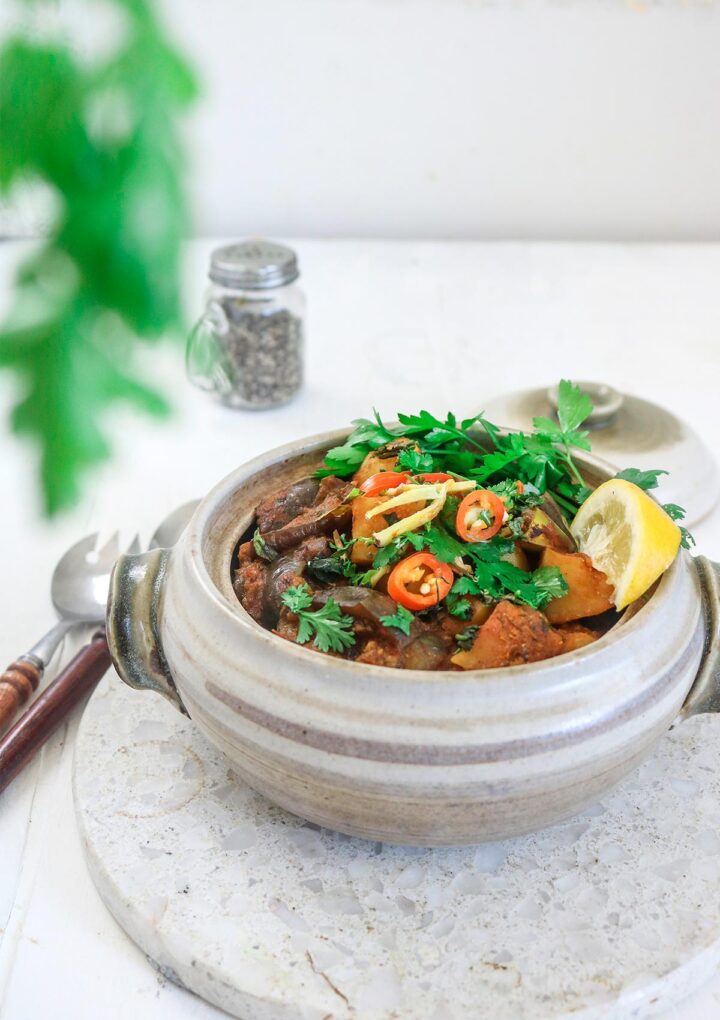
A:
x: 420, y: 581
x: 479, y: 516
x: 383, y: 481
x: 434, y: 477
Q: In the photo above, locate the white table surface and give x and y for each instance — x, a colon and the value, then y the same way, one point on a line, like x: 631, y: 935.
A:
x: 395, y: 325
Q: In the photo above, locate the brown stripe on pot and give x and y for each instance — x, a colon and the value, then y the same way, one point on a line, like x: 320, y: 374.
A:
x: 413, y: 754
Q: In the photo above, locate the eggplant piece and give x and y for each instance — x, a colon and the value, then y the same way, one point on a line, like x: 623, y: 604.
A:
x: 544, y: 527
x: 283, y: 574
x: 283, y: 506
x: 428, y: 651
x: 367, y: 606
x: 330, y: 515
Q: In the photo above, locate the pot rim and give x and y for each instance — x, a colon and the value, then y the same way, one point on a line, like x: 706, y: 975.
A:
x: 232, y: 608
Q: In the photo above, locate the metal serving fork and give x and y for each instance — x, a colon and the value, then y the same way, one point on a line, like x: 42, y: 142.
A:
x: 78, y: 590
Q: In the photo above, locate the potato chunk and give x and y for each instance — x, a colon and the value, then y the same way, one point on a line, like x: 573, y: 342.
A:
x: 517, y: 557
x: 541, y: 531
x: 363, y: 553
x: 512, y: 635
x: 383, y: 459
x: 574, y: 635
x: 589, y: 594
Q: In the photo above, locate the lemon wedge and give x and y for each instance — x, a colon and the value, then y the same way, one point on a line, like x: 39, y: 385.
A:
x: 627, y: 536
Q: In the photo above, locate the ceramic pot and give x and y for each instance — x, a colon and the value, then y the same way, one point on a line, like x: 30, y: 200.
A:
x: 425, y: 758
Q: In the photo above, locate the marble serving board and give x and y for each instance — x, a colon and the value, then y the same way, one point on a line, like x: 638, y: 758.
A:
x: 615, y: 913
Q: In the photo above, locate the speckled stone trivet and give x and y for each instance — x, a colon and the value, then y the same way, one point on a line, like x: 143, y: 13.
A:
x: 615, y: 913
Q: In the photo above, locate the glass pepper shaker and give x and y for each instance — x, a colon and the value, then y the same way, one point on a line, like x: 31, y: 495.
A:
x: 247, y: 347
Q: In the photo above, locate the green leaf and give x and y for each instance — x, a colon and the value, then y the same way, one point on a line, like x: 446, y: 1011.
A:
x: 329, y: 627
x: 402, y: 618
x: 458, y: 607
x: 674, y: 512
x: 108, y: 274
x: 686, y: 541
x: 397, y: 549
x: 466, y: 638
x: 329, y: 569
x: 411, y: 460
x: 574, y: 406
x: 262, y: 549
x: 551, y: 581
x: 494, y: 578
x: 643, y: 479
x: 442, y: 544
x: 297, y: 598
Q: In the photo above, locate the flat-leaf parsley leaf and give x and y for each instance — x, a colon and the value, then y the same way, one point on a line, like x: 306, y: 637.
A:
x: 402, y: 618
x: 329, y: 627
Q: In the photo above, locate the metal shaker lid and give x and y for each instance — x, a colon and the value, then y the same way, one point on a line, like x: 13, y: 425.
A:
x: 628, y: 431
x: 254, y: 265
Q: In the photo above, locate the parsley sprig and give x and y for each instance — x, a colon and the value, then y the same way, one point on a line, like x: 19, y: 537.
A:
x: 402, y: 618
x: 330, y: 629
x: 649, y: 480
x: 475, y: 448
x: 494, y: 578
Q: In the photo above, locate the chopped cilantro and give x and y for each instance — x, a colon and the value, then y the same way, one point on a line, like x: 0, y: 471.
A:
x: 412, y: 460
x: 442, y: 544
x: 551, y: 581
x: 327, y: 569
x: 395, y: 550
x: 494, y: 578
x: 686, y: 541
x: 466, y: 638
x: 329, y: 627
x: 402, y: 618
x: 674, y: 512
x: 457, y: 606
x: 262, y: 549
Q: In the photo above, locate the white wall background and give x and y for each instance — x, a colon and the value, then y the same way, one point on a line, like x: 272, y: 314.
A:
x: 455, y: 118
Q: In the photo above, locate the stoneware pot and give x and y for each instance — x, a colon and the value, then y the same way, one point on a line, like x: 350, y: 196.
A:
x: 425, y: 758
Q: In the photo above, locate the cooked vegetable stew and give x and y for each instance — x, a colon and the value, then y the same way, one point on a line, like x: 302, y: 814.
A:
x: 428, y: 546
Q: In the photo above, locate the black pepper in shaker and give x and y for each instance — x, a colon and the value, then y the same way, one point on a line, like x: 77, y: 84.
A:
x: 247, y: 348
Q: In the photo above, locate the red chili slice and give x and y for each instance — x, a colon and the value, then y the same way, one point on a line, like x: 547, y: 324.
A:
x: 383, y: 481
x: 469, y: 522
x: 411, y: 575
x: 434, y: 477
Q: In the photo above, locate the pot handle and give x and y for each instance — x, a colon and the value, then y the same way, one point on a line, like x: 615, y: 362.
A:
x: 704, y: 695
x: 133, y: 623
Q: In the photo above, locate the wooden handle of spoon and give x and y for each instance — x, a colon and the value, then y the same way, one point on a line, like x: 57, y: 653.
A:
x: 16, y: 685
x: 44, y: 716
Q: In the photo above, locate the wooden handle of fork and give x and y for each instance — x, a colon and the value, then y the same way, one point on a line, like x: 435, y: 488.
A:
x: 58, y: 699
x: 16, y: 685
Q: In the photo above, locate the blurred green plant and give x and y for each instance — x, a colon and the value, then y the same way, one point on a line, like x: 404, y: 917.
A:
x: 104, y: 136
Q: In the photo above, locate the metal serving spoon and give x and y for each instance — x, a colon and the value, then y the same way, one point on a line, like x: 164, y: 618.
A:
x: 79, y: 677
x: 78, y: 590
x: 167, y: 533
